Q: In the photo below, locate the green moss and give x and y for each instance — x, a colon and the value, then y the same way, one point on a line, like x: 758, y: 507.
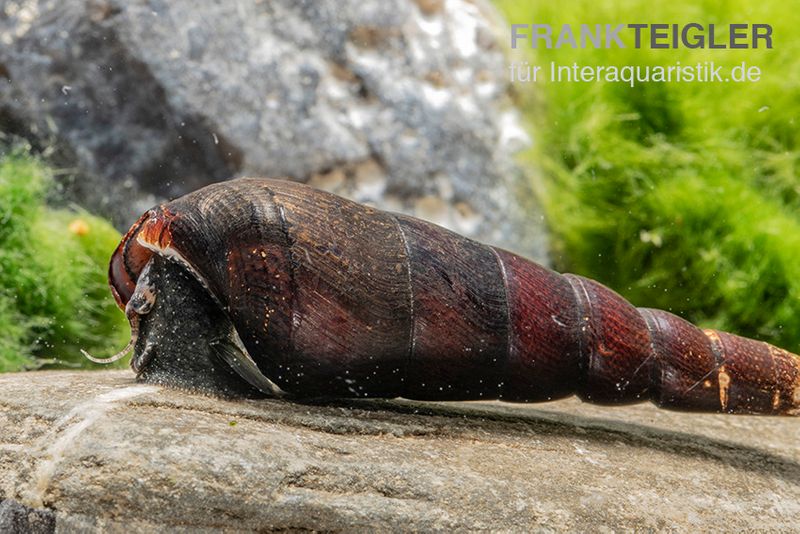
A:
x: 54, y: 299
x: 683, y: 196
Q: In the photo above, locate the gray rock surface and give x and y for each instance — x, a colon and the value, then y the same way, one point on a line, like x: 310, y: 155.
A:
x: 18, y: 518
x: 105, y: 453
x: 400, y: 103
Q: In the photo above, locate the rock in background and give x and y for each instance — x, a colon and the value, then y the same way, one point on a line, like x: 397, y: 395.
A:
x: 398, y: 103
x: 102, y: 453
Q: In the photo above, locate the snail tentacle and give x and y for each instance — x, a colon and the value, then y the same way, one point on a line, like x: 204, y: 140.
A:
x: 133, y: 317
x: 140, y: 303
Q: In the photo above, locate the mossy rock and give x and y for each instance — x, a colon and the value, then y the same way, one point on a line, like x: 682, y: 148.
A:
x: 682, y: 196
x: 54, y: 299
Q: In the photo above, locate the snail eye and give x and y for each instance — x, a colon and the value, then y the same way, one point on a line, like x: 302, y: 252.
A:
x: 142, y: 302
x: 144, y: 297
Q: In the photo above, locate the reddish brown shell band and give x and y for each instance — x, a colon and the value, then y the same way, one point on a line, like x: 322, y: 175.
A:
x: 131, y: 256
x: 120, y: 277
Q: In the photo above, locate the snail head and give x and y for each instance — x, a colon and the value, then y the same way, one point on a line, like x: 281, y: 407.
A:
x: 180, y: 334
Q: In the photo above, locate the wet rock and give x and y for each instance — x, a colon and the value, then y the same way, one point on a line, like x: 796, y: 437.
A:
x: 17, y: 518
x: 105, y: 453
x: 398, y: 103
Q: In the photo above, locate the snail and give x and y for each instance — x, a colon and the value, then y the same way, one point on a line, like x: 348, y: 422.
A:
x: 268, y: 287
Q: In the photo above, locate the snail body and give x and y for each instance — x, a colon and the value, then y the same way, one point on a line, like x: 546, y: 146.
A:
x: 276, y: 287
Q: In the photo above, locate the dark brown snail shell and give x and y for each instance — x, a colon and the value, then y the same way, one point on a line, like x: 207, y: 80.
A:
x: 301, y: 291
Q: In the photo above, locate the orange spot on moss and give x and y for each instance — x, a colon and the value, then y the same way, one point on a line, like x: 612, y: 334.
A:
x: 79, y: 227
